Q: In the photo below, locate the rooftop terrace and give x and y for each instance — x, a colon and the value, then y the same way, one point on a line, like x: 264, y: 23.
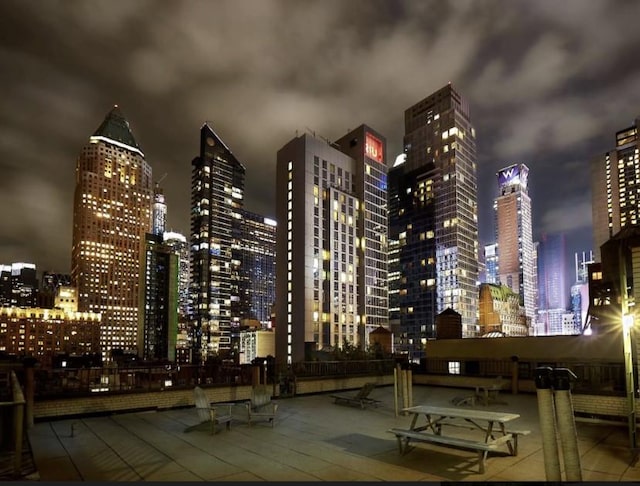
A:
x: 313, y: 440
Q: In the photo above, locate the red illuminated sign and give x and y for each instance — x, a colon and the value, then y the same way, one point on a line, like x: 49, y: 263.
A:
x: 373, y: 148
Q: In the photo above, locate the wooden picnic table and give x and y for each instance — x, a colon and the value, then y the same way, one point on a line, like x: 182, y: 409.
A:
x: 491, y: 424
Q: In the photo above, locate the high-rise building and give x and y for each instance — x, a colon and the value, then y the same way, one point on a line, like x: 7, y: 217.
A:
x: 111, y: 215
x: 514, y: 237
x: 581, y: 265
x: 158, y: 326
x: 217, y: 193
x: 491, y: 263
x: 259, y: 265
x: 158, y: 320
x: 580, y: 289
x: 178, y: 244
x: 159, y: 211
x: 433, y: 218
x: 331, y: 242
x: 368, y: 151
x: 553, y: 291
x: 615, y: 187
x: 18, y: 285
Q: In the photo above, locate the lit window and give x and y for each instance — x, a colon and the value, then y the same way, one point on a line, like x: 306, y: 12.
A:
x: 454, y: 367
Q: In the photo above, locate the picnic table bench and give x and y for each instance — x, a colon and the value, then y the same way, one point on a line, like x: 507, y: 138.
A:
x: 404, y: 436
x: 437, y: 417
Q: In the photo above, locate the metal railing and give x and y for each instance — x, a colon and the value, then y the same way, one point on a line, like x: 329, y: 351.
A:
x: 341, y: 368
x: 89, y: 381
x: 596, y: 378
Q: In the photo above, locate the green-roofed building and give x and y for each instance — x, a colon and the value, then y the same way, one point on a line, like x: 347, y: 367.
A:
x: 501, y: 311
x: 111, y: 214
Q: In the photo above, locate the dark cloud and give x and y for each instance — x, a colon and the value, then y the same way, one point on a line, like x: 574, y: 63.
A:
x: 548, y: 83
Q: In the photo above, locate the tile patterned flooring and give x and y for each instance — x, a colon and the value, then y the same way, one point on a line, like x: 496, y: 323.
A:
x: 313, y: 440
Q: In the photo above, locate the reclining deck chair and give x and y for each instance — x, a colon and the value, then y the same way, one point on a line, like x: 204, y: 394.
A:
x: 361, y: 398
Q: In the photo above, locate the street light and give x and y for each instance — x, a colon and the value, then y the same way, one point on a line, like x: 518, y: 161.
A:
x: 627, y: 325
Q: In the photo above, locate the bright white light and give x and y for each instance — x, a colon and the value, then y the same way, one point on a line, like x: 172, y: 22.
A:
x: 627, y: 321
x: 99, y: 138
x: 171, y: 235
x: 400, y: 159
x: 588, y: 331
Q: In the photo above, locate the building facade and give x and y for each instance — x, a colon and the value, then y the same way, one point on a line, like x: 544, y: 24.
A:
x: 49, y: 286
x: 159, y: 211
x: 256, y: 343
x: 615, y: 187
x: 112, y: 214
x: 514, y: 237
x: 501, y: 311
x: 217, y: 197
x: 43, y: 333
x: 491, y: 263
x: 368, y: 151
x: 553, y: 291
x: 158, y: 326
x: 258, y: 264
x: 580, y: 289
x: 433, y: 219
x: 18, y: 285
x: 179, y: 245
x: 331, y: 241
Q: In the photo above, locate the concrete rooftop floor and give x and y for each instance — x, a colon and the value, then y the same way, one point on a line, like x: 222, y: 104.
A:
x: 313, y: 440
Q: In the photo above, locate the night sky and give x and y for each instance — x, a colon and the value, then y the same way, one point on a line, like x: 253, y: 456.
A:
x: 549, y: 83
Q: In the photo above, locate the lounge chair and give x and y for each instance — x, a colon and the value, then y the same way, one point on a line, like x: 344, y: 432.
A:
x: 261, y: 407
x: 216, y: 414
x: 361, y: 398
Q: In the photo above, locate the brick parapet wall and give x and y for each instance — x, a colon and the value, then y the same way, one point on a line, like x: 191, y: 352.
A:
x: 304, y: 387
x: 114, y: 403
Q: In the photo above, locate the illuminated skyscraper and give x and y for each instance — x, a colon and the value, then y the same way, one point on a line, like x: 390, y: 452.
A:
x: 331, y: 242
x: 159, y: 211
x: 368, y: 149
x: 112, y: 213
x: 158, y: 326
x: 433, y: 216
x: 259, y: 265
x: 158, y: 320
x: 491, y: 263
x: 553, y: 292
x: 615, y: 187
x: 217, y: 192
x: 178, y: 243
x: 514, y: 237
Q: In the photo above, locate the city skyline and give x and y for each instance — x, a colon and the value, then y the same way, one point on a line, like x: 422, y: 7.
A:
x: 548, y: 85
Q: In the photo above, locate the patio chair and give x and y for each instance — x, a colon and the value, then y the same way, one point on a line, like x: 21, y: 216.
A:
x: 261, y: 407
x: 361, y: 398
x: 216, y: 414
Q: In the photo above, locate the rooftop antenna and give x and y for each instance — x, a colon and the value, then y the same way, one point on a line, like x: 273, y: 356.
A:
x: 162, y: 178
